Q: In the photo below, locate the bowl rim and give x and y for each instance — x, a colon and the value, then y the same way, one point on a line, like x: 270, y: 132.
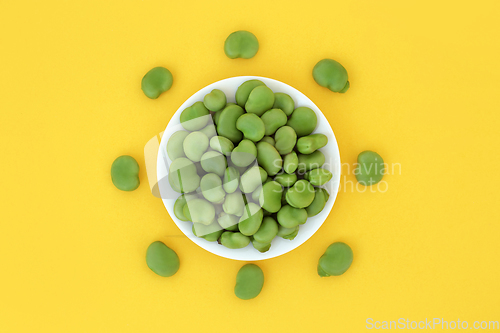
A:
x: 236, y: 254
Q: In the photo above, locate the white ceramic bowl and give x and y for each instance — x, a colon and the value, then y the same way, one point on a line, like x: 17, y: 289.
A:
x: 279, y: 245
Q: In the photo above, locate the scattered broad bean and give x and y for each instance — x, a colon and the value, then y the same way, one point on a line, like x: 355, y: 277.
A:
x: 241, y: 44
x: 125, y: 173
x: 336, y: 260
x: 249, y: 282
x: 156, y: 81
x: 330, y: 74
x: 161, y: 259
x: 370, y: 169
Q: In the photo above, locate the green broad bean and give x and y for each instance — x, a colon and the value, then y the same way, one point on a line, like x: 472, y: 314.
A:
x: 161, y: 259
x: 199, y: 211
x: 228, y: 221
x: 182, y: 176
x: 194, y: 117
x: 241, y: 44
x: 180, y: 203
x: 292, y: 235
x: 195, y: 144
x: 210, y: 232
x: 318, y: 177
x: 301, y: 194
x: 174, y: 145
x: 370, y: 169
x: 222, y: 145
x: 336, y: 260
x: 251, y: 219
x: 249, y: 282
x: 318, y: 203
x: 284, y: 102
x: 290, y: 217
x: 211, y: 188
x: 244, y: 154
x: 269, y: 139
x: 290, y: 162
x: 256, y: 194
x: 252, y: 178
x: 215, y: 100
x: 269, y: 158
x: 267, y: 231
x: 234, y: 240
x: 330, y: 74
x: 231, y: 180
x: 226, y: 126
x: 213, y: 161
x: 273, y: 119
x: 199, y: 168
x: 234, y: 204
x: 261, y: 247
x: 156, y: 81
x: 216, y: 116
x: 125, y: 173
x: 285, y: 139
x: 260, y: 100
x: 303, y: 121
x: 251, y: 126
x: 327, y: 195
x: 283, y: 197
x: 310, y: 143
x: 209, y: 131
x: 287, y: 232
x: 286, y: 179
x: 245, y: 89
x: 270, y: 197
x: 311, y: 161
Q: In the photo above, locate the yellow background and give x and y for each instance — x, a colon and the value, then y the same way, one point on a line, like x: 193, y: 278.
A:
x: 424, y: 93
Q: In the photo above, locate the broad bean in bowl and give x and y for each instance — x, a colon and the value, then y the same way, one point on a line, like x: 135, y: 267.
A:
x: 251, y: 166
